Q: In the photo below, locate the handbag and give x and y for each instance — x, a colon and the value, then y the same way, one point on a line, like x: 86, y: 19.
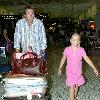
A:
x: 28, y: 63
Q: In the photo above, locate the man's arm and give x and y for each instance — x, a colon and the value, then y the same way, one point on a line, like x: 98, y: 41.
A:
x: 43, y: 38
x: 17, y: 38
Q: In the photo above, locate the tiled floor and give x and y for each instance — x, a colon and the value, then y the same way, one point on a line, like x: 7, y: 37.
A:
x: 56, y: 84
x: 90, y: 91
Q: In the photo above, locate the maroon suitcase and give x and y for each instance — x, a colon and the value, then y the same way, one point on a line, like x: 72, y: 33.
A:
x: 29, y: 64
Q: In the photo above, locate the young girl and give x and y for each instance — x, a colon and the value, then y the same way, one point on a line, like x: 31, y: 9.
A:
x: 74, y: 54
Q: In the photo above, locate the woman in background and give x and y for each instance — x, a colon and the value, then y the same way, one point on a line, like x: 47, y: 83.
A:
x: 6, y: 42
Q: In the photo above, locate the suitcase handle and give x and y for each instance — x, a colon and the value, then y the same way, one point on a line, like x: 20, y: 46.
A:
x: 31, y: 55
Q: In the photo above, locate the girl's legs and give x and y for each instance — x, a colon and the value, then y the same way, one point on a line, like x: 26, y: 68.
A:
x: 72, y: 92
x: 76, y: 91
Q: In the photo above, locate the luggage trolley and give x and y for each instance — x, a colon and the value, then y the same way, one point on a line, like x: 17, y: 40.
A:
x: 24, y: 86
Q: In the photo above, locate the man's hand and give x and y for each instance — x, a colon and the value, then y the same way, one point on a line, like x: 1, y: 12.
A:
x: 17, y: 50
x: 39, y: 56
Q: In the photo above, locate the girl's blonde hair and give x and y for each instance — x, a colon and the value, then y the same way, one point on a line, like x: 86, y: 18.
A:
x: 75, y: 34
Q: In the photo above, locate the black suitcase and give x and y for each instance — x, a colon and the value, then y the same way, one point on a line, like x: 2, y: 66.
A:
x: 4, y: 65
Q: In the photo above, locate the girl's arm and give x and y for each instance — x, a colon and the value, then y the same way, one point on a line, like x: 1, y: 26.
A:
x: 61, y: 64
x: 87, y: 59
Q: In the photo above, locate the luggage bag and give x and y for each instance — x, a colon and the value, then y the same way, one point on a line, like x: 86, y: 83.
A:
x: 25, y: 86
x: 27, y: 77
x: 5, y: 66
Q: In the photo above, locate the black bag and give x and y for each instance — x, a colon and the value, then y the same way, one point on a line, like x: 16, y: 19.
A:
x: 3, y: 61
x: 4, y: 65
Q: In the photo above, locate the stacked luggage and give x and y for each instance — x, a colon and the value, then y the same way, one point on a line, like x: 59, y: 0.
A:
x: 27, y: 77
x: 21, y: 86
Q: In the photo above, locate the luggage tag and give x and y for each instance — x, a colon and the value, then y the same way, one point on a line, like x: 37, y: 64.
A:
x: 29, y: 94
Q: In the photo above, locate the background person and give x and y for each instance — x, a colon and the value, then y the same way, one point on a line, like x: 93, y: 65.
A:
x: 6, y: 42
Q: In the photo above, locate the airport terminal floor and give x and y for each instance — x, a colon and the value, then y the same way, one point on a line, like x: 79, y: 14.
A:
x: 57, y: 89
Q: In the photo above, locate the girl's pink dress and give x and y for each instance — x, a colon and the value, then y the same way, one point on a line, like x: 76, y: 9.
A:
x: 74, y: 66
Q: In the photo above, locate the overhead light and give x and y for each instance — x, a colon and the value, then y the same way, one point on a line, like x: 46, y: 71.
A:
x: 91, y: 21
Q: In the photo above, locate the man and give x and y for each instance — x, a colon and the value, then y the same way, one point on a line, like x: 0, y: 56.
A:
x: 30, y: 32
